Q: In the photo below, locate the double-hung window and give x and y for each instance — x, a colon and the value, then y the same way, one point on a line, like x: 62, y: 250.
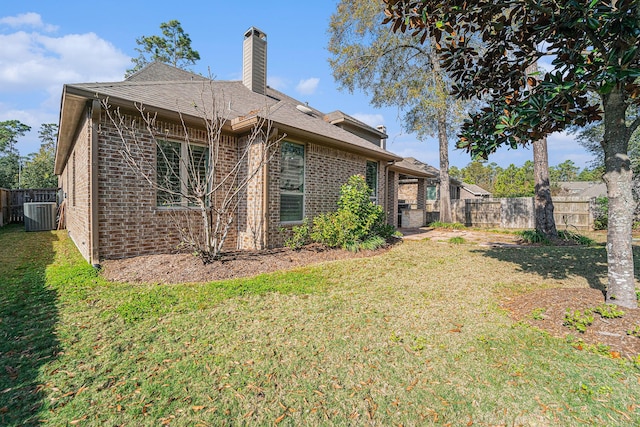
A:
x: 292, y: 182
x: 181, y: 170
x: 371, y: 178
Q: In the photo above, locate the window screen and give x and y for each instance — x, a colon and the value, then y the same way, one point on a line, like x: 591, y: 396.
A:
x: 168, y: 173
x: 292, y: 182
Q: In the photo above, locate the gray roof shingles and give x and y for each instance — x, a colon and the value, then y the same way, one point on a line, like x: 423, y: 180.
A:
x: 190, y: 94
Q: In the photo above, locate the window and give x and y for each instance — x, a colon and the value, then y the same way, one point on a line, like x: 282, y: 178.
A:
x: 197, y: 169
x: 292, y: 182
x: 181, y: 169
x: 168, y: 173
x: 432, y: 192
x: 371, y: 179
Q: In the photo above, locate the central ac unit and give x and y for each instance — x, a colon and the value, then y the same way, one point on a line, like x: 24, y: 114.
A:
x: 40, y: 216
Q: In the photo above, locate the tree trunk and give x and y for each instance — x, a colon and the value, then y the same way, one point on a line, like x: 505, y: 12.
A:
x: 443, y: 144
x: 545, y: 223
x: 618, y: 177
x: 445, y: 191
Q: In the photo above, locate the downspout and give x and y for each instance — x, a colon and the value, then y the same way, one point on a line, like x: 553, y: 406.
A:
x: 96, y: 110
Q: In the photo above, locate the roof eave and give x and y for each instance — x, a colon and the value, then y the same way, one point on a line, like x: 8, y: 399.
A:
x: 71, y: 109
x: 245, y: 124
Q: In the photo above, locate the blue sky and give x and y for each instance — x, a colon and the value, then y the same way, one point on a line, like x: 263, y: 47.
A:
x: 45, y: 44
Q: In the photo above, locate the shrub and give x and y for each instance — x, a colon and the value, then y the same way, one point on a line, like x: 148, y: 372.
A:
x: 576, y: 237
x: 601, y: 213
x: 357, y: 224
x: 578, y: 320
x: 533, y: 236
x: 608, y: 311
x: 299, y: 236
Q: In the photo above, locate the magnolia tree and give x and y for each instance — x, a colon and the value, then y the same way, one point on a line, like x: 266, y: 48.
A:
x: 592, y: 48
x: 202, y: 183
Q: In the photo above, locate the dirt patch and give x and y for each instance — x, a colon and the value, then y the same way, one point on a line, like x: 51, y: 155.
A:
x: 186, y: 268
x: 482, y: 238
x: 550, y: 304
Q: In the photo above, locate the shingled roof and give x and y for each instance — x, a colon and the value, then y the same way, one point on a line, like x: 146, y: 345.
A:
x: 166, y: 89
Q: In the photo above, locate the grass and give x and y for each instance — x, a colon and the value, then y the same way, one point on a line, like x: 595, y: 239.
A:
x: 447, y: 225
x: 411, y: 337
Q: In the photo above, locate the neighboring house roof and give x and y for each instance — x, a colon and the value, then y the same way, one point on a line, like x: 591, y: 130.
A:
x: 474, y: 189
x: 180, y: 91
x: 584, y: 188
x: 159, y: 71
x: 415, y: 168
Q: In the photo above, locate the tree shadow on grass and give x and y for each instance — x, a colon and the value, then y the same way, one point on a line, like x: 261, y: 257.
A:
x: 28, y: 314
x: 559, y: 262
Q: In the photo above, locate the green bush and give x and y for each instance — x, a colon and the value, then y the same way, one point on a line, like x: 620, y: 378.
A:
x: 357, y: 224
x: 532, y: 236
x: 601, y: 214
x: 299, y: 236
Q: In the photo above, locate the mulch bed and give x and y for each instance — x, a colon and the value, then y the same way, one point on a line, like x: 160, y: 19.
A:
x: 555, y: 302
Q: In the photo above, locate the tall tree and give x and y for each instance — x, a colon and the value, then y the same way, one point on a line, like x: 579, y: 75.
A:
x: 481, y: 174
x: 515, y: 181
x: 10, y: 131
x: 565, y: 171
x: 172, y: 47
x: 594, y: 48
x: 38, y: 169
x: 395, y: 70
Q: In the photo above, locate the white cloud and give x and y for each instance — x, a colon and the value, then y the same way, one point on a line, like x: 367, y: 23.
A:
x: 32, y: 61
x: 308, y: 86
x: 30, y: 19
x: 372, y: 120
x: 35, y: 65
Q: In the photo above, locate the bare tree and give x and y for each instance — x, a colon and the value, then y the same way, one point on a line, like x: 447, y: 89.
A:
x: 196, y: 174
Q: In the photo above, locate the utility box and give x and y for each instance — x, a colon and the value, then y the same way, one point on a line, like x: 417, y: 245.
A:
x: 40, y: 216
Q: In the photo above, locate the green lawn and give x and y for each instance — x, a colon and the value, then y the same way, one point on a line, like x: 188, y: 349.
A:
x: 412, y: 337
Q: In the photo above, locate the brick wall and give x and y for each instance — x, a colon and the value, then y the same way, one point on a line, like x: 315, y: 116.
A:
x: 408, y: 191
x: 75, y: 182
x: 250, y: 222
x: 326, y: 170
x: 131, y: 223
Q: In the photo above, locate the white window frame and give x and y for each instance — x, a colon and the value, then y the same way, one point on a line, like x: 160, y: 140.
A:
x: 286, y: 192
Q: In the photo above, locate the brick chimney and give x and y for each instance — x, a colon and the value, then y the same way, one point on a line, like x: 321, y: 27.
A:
x: 254, y: 60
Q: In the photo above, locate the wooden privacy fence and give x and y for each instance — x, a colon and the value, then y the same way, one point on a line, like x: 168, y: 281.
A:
x: 515, y: 213
x: 5, y: 206
x: 12, y: 201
